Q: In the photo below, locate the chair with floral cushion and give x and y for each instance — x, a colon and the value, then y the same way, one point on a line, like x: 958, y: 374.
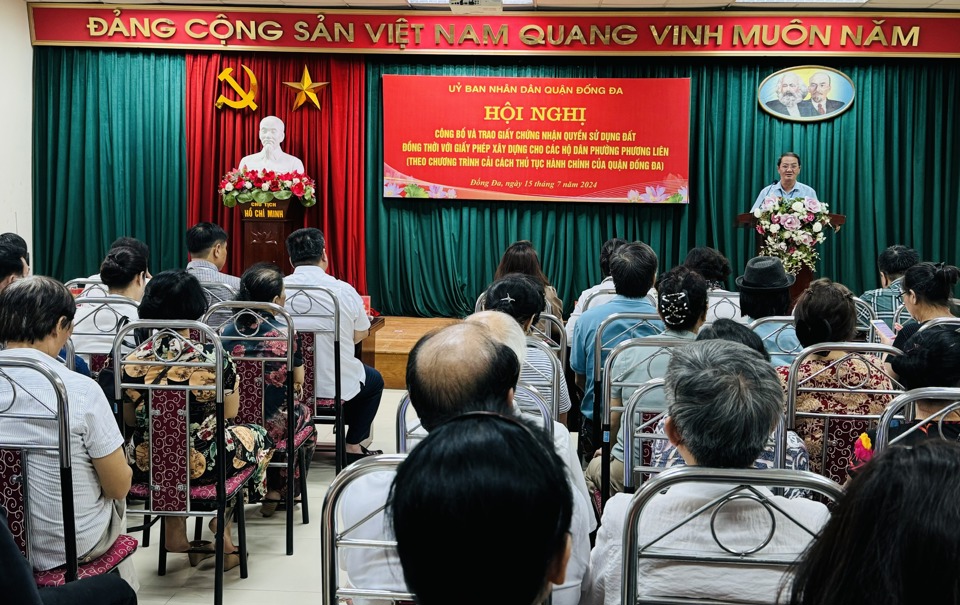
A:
x: 320, y: 304
x: 16, y: 402
x: 169, y: 491
x: 266, y: 358
x: 829, y: 401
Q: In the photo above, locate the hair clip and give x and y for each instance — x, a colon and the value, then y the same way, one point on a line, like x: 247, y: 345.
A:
x: 674, y: 308
x: 508, y: 298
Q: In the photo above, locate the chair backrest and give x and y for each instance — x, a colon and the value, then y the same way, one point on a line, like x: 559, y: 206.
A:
x: 269, y: 352
x: 409, y: 428
x: 98, y: 320
x: 545, y: 381
x: 69, y: 357
x: 943, y: 322
x: 742, y: 487
x: 782, y: 335
x: 865, y: 315
x: 320, y: 306
x: 854, y: 372
x: 645, y: 432
x: 168, y: 409
x: 550, y: 330
x: 16, y: 402
x: 595, y: 299
x: 899, y: 406
x: 87, y: 287
x: 724, y: 305
x: 901, y: 315
x: 335, y: 535
x: 217, y: 292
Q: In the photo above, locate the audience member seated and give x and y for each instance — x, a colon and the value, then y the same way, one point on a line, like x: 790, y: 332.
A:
x: 462, y: 368
x: 207, y: 244
x: 263, y: 282
x: 18, y: 586
x: 522, y: 298
x: 633, y: 268
x: 361, y: 385
x: 177, y: 295
x: 765, y: 292
x: 715, y: 268
x: 36, y: 318
x: 127, y: 242
x: 521, y: 257
x: 931, y: 359
x: 482, y: 489
x: 826, y: 313
x: 606, y: 284
x: 12, y: 264
x: 892, y: 539
x: 667, y: 455
x: 723, y: 401
x: 892, y: 263
x: 927, y: 289
x: 21, y: 245
x: 682, y: 305
x: 124, y: 272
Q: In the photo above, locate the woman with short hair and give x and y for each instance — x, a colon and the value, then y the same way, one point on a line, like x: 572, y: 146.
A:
x: 36, y: 319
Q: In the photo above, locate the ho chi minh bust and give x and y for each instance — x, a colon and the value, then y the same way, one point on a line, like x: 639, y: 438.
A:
x: 271, y: 157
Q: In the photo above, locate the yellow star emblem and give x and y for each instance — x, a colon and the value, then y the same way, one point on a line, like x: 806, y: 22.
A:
x: 305, y: 88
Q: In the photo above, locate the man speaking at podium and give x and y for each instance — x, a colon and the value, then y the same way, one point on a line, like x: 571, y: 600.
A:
x: 788, y: 167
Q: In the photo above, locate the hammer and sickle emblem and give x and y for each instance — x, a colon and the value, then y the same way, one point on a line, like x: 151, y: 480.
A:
x: 246, y: 96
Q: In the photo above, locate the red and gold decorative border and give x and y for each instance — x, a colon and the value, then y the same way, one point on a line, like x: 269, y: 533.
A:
x: 544, y: 33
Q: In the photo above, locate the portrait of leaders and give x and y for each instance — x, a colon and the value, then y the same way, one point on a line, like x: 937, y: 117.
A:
x: 819, y: 104
x: 790, y: 94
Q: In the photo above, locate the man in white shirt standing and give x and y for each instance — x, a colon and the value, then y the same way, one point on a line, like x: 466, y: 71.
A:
x: 361, y: 385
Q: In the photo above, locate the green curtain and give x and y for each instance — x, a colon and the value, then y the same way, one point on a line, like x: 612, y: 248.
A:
x: 109, y: 157
x: 889, y: 164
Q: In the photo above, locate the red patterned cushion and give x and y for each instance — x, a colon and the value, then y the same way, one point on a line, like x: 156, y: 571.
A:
x: 11, y: 495
x: 98, y: 361
x: 326, y: 404
x: 203, y: 492
x: 308, y: 352
x: 121, y: 549
x: 234, y: 483
x: 250, y: 377
x: 298, y: 439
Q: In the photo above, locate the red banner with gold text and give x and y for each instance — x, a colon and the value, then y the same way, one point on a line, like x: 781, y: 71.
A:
x: 543, y: 139
x: 227, y: 28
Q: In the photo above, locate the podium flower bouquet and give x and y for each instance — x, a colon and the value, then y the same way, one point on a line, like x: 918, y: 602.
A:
x: 791, y: 229
x: 242, y: 187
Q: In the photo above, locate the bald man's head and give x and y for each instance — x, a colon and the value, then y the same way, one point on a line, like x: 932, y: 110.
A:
x: 503, y: 329
x: 460, y: 369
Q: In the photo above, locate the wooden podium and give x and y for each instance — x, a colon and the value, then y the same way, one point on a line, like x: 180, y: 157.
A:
x: 805, y: 276
x: 265, y: 230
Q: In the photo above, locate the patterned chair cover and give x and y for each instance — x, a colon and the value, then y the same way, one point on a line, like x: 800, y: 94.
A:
x: 169, y: 491
x: 830, y: 435
x: 14, y: 480
x: 251, y: 372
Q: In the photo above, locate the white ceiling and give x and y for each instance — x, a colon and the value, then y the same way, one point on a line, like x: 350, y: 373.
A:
x: 621, y: 5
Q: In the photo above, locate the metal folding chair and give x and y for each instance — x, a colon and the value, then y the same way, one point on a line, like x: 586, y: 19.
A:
x: 87, y: 287
x: 840, y: 430
x: 776, y: 342
x: 595, y: 299
x: 659, y: 349
x: 22, y: 382
x: 742, y: 488
x: 100, y: 318
x: 865, y: 315
x: 943, y: 322
x: 217, y: 292
x: 545, y: 382
x: 252, y: 370
x: 169, y: 490
x: 318, y: 304
x: 550, y: 330
x: 724, y: 305
x: 901, y: 315
x: 899, y: 407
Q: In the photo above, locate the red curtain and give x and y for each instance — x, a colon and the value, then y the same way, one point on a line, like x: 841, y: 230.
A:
x: 330, y: 141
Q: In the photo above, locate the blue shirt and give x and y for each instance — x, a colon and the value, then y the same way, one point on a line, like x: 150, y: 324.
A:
x: 585, y: 334
x: 776, y: 190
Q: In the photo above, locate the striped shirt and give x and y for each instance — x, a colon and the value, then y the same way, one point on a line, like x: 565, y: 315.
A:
x: 93, y: 434
x: 536, y: 371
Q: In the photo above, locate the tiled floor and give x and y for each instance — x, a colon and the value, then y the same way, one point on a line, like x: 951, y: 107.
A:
x: 274, y: 577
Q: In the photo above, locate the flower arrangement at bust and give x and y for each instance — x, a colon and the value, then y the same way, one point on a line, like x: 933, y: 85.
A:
x: 791, y: 229
x: 238, y: 186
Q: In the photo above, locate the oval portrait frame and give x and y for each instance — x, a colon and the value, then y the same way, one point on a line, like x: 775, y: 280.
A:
x: 842, y: 90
